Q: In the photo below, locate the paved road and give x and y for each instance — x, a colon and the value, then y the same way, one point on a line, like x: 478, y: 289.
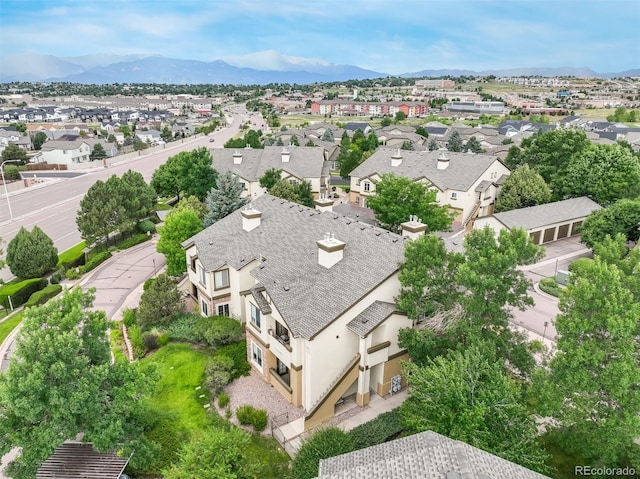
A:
x: 558, y: 256
x: 53, y: 207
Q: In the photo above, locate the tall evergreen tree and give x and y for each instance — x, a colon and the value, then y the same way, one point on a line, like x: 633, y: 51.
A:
x: 455, y: 142
x: 224, y: 199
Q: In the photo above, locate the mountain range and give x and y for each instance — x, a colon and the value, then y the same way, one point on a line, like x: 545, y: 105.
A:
x: 272, y: 67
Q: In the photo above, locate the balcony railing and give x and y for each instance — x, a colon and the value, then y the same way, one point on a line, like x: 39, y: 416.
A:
x: 283, y: 339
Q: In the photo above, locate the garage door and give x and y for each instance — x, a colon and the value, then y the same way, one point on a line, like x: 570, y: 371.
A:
x: 575, y: 228
x: 563, y: 231
x: 549, y: 234
x: 535, y: 237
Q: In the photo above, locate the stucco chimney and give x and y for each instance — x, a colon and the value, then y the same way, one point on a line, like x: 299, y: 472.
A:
x: 443, y: 161
x: 286, y: 155
x: 414, y: 228
x: 250, y: 218
x: 396, y: 159
x: 237, y: 157
x: 323, y: 203
x: 330, y: 250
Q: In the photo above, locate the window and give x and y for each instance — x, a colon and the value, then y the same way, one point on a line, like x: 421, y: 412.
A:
x: 243, y: 185
x: 281, y: 368
x: 193, y: 263
x: 223, y: 309
x: 256, y: 354
x: 293, y: 182
x: 357, y: 199
x: 255, y: 316
x: 221, y: 279
x: 367, y: 186
x: 454, y: 195
x: 202, y: 275
x: 204, y: 308
x: 282, y: 332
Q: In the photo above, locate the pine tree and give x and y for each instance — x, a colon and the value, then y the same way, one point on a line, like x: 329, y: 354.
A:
x: 224, y: 199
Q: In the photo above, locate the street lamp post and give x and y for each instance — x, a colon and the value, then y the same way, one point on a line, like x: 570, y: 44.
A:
x: 6, y: 192
x: 544, y: 334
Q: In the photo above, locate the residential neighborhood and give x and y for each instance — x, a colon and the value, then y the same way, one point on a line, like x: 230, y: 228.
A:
x: 343, y: 241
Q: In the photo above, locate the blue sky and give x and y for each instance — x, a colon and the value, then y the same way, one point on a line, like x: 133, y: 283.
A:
x: 389, y: 36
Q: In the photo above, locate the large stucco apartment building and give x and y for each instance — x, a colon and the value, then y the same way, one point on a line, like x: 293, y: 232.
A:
x: 468, y: 183
x: 297, y: 164
x: 316, y: 292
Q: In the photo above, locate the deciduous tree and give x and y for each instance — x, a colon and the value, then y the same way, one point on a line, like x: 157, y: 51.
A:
x: 396, y: 198
x: 605, y: 173
x: 592, y: 386
x: 224, y: 199
x: 194, y: 204
x: 467, y: 396
x: 623, y: 216
x: 524, y: 187
x: 38, y: 140
x: 98, y: 152
x: 61, y: 383
x: 14, y: 153
x: 178, y: 227
x: 270, y: 178
x: 31, y: 254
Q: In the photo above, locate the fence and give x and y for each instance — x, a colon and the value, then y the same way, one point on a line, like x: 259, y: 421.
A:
x: 276, y: 423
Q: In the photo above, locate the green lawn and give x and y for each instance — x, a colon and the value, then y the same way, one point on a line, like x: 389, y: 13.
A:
x: 181, y: 369
x: 9, y: 325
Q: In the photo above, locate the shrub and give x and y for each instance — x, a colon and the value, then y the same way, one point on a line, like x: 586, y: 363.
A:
x: 383, y: 428
x: 218, y: 374
x: 321, y: 445
x: 537, y: 346
x: 95, y: 261
x: 20, y: 291
x: 549, y: 286
x: 228, y: 413
x: 147, y: 284
x: 245, y: 414
x: 132, y: 241
x: 183, y: 328
x: 163, y: 340
x: 260, y: 419
x: 579, y: 265
x: 56, y: 278
x: 150, y: 341
x: 44, y: 295
x: 137, y: 342
x: 147, y: 226
x: 73, y: 273
x: 238, y: 353
x: 73, y: 257
x: 220, y: 330
x: 346, y: 189
x: 129, y: 317
x: 223, y: 400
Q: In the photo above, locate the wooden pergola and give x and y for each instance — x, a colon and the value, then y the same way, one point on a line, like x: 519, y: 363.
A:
x: 75, y: 460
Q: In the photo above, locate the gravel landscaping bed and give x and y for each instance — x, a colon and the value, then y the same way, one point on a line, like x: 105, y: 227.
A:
x: 255, y: 391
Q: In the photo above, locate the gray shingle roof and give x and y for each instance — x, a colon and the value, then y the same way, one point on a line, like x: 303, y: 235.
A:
x: 550, y: 213
x: 304, y: 161
x: 62, y: 145
x: 371, y: 317
x: 308, y: 296
x: 426, y: 455
x: 464, y: 168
